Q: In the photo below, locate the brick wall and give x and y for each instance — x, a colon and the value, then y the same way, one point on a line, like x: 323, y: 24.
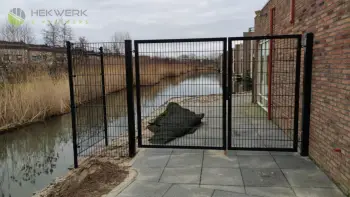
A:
x: 329, y: 20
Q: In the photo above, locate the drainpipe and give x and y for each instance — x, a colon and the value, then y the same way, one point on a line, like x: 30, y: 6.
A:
x: 269, y: 101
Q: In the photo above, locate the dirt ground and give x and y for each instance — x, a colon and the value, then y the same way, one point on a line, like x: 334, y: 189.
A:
x: 98, y: 176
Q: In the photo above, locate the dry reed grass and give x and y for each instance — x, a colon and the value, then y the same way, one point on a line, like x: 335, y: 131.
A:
x: 40, y: 95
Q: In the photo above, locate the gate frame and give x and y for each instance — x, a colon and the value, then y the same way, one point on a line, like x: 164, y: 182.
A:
x: 224, y: 90
x: 298, y: 38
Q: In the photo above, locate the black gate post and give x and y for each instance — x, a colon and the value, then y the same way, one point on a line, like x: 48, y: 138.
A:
x: 130, y: 97
x: 225, y: 95
x: 308, y: 56
x: 105, y: 124
x: 138, y: 94
x: 297, y: 95
x: 72, y: 104
x: 229, y: 92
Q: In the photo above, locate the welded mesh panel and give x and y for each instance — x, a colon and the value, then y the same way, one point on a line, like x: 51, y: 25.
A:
x: 99, y: 82
x: 187, y: 72
x: 265, y: 92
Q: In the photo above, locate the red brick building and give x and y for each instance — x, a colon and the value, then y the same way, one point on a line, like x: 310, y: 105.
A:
x: 329, y: 20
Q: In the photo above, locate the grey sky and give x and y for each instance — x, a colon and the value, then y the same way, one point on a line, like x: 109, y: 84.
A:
x: 147, y: 19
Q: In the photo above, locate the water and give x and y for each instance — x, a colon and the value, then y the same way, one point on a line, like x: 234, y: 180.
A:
x: 33, y: 156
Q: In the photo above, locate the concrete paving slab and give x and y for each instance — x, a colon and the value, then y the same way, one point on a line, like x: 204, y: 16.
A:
x: 231, y: 153
x: 236, y: 189
x: 256, y: 161
x: 157, y: 151
x: 318, y: 192
x: 191, y: 151
x: 270, y: 191
x: 149, y: 174
x: 214, y: 152
x: 151, y: 161
x: 185, y: 160
x: 264, y: 178
x: 181, y: 175
x: 180, y: 190
x: 221, y: 176
x: 294, y: 162
x: 145, y: 189
x: 220, y: 161
x: 308, y: 178
x: 219, y: 193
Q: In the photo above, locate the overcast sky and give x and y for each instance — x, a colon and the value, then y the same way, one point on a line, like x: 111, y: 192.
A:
x: 146, y: 19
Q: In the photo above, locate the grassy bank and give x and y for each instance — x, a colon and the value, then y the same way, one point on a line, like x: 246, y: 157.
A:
x: 41, y: 95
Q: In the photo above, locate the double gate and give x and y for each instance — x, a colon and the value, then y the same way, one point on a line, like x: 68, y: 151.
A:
x: 247, y: 88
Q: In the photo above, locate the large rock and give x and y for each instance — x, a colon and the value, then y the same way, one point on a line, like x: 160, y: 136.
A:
x: 174, y: 122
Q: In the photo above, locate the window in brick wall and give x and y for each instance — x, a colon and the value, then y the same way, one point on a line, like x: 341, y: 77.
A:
x: 19, y: 57
x: 6, y: 57
x: 262, y: 73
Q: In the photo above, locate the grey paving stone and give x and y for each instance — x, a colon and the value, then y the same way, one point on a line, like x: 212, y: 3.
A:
x: 308, y: 178
x: 149, y: 174
x: 294, y: 162
x: 220, y: 161
x: 180, y: 190
x: 257, y: 161
x: 221, y: 176
x: 219, y: 193
x: 145, y: 189
x: 245, y: 152
x: 214, y: 152
x: 264, y: 178
x: 236, y: 189
x: 231, y: 153
x: 181, y: 175
x: 318, y: 192
x: 151, y: 161
x: 181, y: 151
x: 156, y: 151
x: 270, y: 191
x: 185, y: 160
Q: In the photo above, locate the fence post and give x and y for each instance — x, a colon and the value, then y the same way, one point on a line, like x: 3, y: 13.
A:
x: 72, y: 103
x: 308, y: 56
x: 130, y: 97
x: 104, y: 98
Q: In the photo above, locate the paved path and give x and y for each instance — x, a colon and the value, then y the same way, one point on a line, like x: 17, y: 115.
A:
x: 209, y: 173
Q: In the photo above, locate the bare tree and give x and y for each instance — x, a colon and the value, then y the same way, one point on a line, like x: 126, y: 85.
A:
x: 66, y: 33
x: 118, y: 39
x: 51, y: 34
x: 82, y: 42
x: 56, y: 34
x: 11, y: 33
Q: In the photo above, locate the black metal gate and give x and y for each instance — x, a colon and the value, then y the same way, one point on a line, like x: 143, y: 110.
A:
x: 246, y: 87
x: 263, y: 92
x: 193, y: 66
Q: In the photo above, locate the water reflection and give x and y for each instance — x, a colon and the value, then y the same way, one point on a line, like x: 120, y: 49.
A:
x: 31, y: 157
